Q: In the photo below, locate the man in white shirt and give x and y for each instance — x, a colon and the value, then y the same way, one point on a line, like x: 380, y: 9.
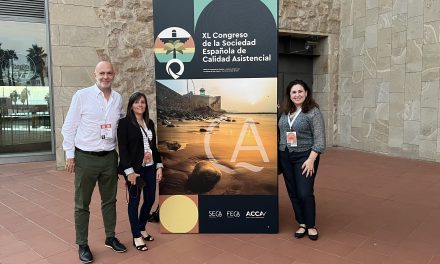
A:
x: 89, y: 133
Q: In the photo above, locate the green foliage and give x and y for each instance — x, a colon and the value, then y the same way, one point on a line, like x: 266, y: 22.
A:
x: 37, y: 60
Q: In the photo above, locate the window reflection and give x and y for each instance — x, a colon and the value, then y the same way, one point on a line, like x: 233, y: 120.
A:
x: 24, y: 91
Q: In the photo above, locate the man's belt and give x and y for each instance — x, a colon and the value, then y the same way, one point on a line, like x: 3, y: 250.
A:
x: 94, y: 153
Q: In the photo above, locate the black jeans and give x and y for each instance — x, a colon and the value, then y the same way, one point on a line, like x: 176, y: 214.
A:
x: 138, y: 221
x: 299, y: 188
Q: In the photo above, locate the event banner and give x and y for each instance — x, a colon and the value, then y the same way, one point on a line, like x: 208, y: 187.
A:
x: 216, y: 88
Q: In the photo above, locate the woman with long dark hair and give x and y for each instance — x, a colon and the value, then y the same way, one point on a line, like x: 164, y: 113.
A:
x: 140, y: 163
x: 301, y: 141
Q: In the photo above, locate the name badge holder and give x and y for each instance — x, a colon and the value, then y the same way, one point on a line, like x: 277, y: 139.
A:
x: 291, y: 138
x: 148, y: 158
x: 106, y: 131
x: 106, y: 128
x: 148, y: 154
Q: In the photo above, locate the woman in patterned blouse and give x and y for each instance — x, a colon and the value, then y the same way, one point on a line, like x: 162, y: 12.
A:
x: 302, y: 140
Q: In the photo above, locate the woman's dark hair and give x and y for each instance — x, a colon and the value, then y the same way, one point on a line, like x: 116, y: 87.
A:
x: 130, y: 114
x: 309, y: 103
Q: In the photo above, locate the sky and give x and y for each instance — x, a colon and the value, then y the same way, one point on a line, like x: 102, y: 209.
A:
x: 36, y: 97
x: 248, y: 95
x: 20, y: 36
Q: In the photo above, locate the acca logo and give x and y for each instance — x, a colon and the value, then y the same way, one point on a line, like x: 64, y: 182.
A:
x: 215, y: 214
x: 174, y: 46
x: 256, y: 214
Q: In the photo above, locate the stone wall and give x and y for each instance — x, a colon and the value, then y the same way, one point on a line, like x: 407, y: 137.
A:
x: 318, y: 19
x: 85, y: 32
x: 309, y: 16
x: 377, y: 78
x: 75, y: 35
x: 203, y: 101
x: 389, y: 77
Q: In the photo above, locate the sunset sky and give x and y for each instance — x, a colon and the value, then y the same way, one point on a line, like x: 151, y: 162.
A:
x: 238, y: 95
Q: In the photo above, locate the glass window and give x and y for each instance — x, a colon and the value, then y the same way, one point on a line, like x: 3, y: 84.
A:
x: 24, y: 88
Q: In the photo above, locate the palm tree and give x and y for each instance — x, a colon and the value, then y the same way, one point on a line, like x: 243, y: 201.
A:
x: 2, y: 54
x: 174, y: 46
x: 6, y: 65
x: 37, y: 60
x: 24, y: 96
x: 12, y: 55
x: 14, y: 97
x: 47, y: 98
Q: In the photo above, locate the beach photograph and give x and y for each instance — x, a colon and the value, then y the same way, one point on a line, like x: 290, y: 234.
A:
x: 218, y: 136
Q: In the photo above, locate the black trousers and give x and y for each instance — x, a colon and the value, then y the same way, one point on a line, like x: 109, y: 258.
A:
x: 299, y: 187
x: 138, y: 219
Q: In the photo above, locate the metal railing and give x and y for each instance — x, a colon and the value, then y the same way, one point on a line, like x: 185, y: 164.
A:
x: 25, y: 131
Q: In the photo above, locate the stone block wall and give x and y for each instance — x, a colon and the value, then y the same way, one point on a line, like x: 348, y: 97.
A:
x: 318, y: 19
x: 389, y: 77
x: 76, y: 33
x: 309, y: 16
x: 85, y: 32
x: 377, y: 78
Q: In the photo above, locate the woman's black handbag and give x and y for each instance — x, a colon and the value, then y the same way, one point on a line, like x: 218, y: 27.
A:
x: 140, y: 183
x: 154, y: 217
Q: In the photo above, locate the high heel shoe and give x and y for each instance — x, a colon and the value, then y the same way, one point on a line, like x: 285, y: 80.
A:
x: 141, y: 247
x: 146, y: 236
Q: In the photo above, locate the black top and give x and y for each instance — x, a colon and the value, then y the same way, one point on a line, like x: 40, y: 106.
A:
x: 131, y: 146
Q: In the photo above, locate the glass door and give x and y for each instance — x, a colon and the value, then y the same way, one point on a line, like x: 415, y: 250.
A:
x: 25, y: 98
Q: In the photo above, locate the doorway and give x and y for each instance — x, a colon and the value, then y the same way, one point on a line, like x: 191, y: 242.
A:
x: 295, y: 61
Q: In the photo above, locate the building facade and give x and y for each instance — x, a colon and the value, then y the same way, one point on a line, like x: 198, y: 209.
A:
x: 376, y: 65
x: 389, y: 77
x: 26, y: 131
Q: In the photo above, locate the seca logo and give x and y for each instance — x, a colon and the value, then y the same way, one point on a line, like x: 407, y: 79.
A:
x: 215, y: 214
x: 255, y: 214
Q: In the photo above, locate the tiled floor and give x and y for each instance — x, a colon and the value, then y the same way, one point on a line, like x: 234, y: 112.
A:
x: 371, y: 209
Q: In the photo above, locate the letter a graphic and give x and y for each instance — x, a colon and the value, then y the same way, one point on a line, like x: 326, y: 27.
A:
x: 249, y: 123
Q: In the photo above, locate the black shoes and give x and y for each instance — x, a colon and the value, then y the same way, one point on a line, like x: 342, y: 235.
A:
x: 85, y: 255
x: 312, y: 237
x: 140, y: 247
x: 301, y: 234
x: 113, y: 243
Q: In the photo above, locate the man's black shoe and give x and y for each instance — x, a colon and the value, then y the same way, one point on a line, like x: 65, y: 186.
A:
x: 85, y: 255
x: 113, y: 243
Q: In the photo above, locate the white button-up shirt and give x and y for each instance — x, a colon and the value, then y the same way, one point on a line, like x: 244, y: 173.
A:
x: 88, y: 111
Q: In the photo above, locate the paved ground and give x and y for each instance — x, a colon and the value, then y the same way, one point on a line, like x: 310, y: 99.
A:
x: 371, y: 209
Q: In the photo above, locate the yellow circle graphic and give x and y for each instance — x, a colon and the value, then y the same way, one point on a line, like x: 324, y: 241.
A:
x: 179, y: 214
